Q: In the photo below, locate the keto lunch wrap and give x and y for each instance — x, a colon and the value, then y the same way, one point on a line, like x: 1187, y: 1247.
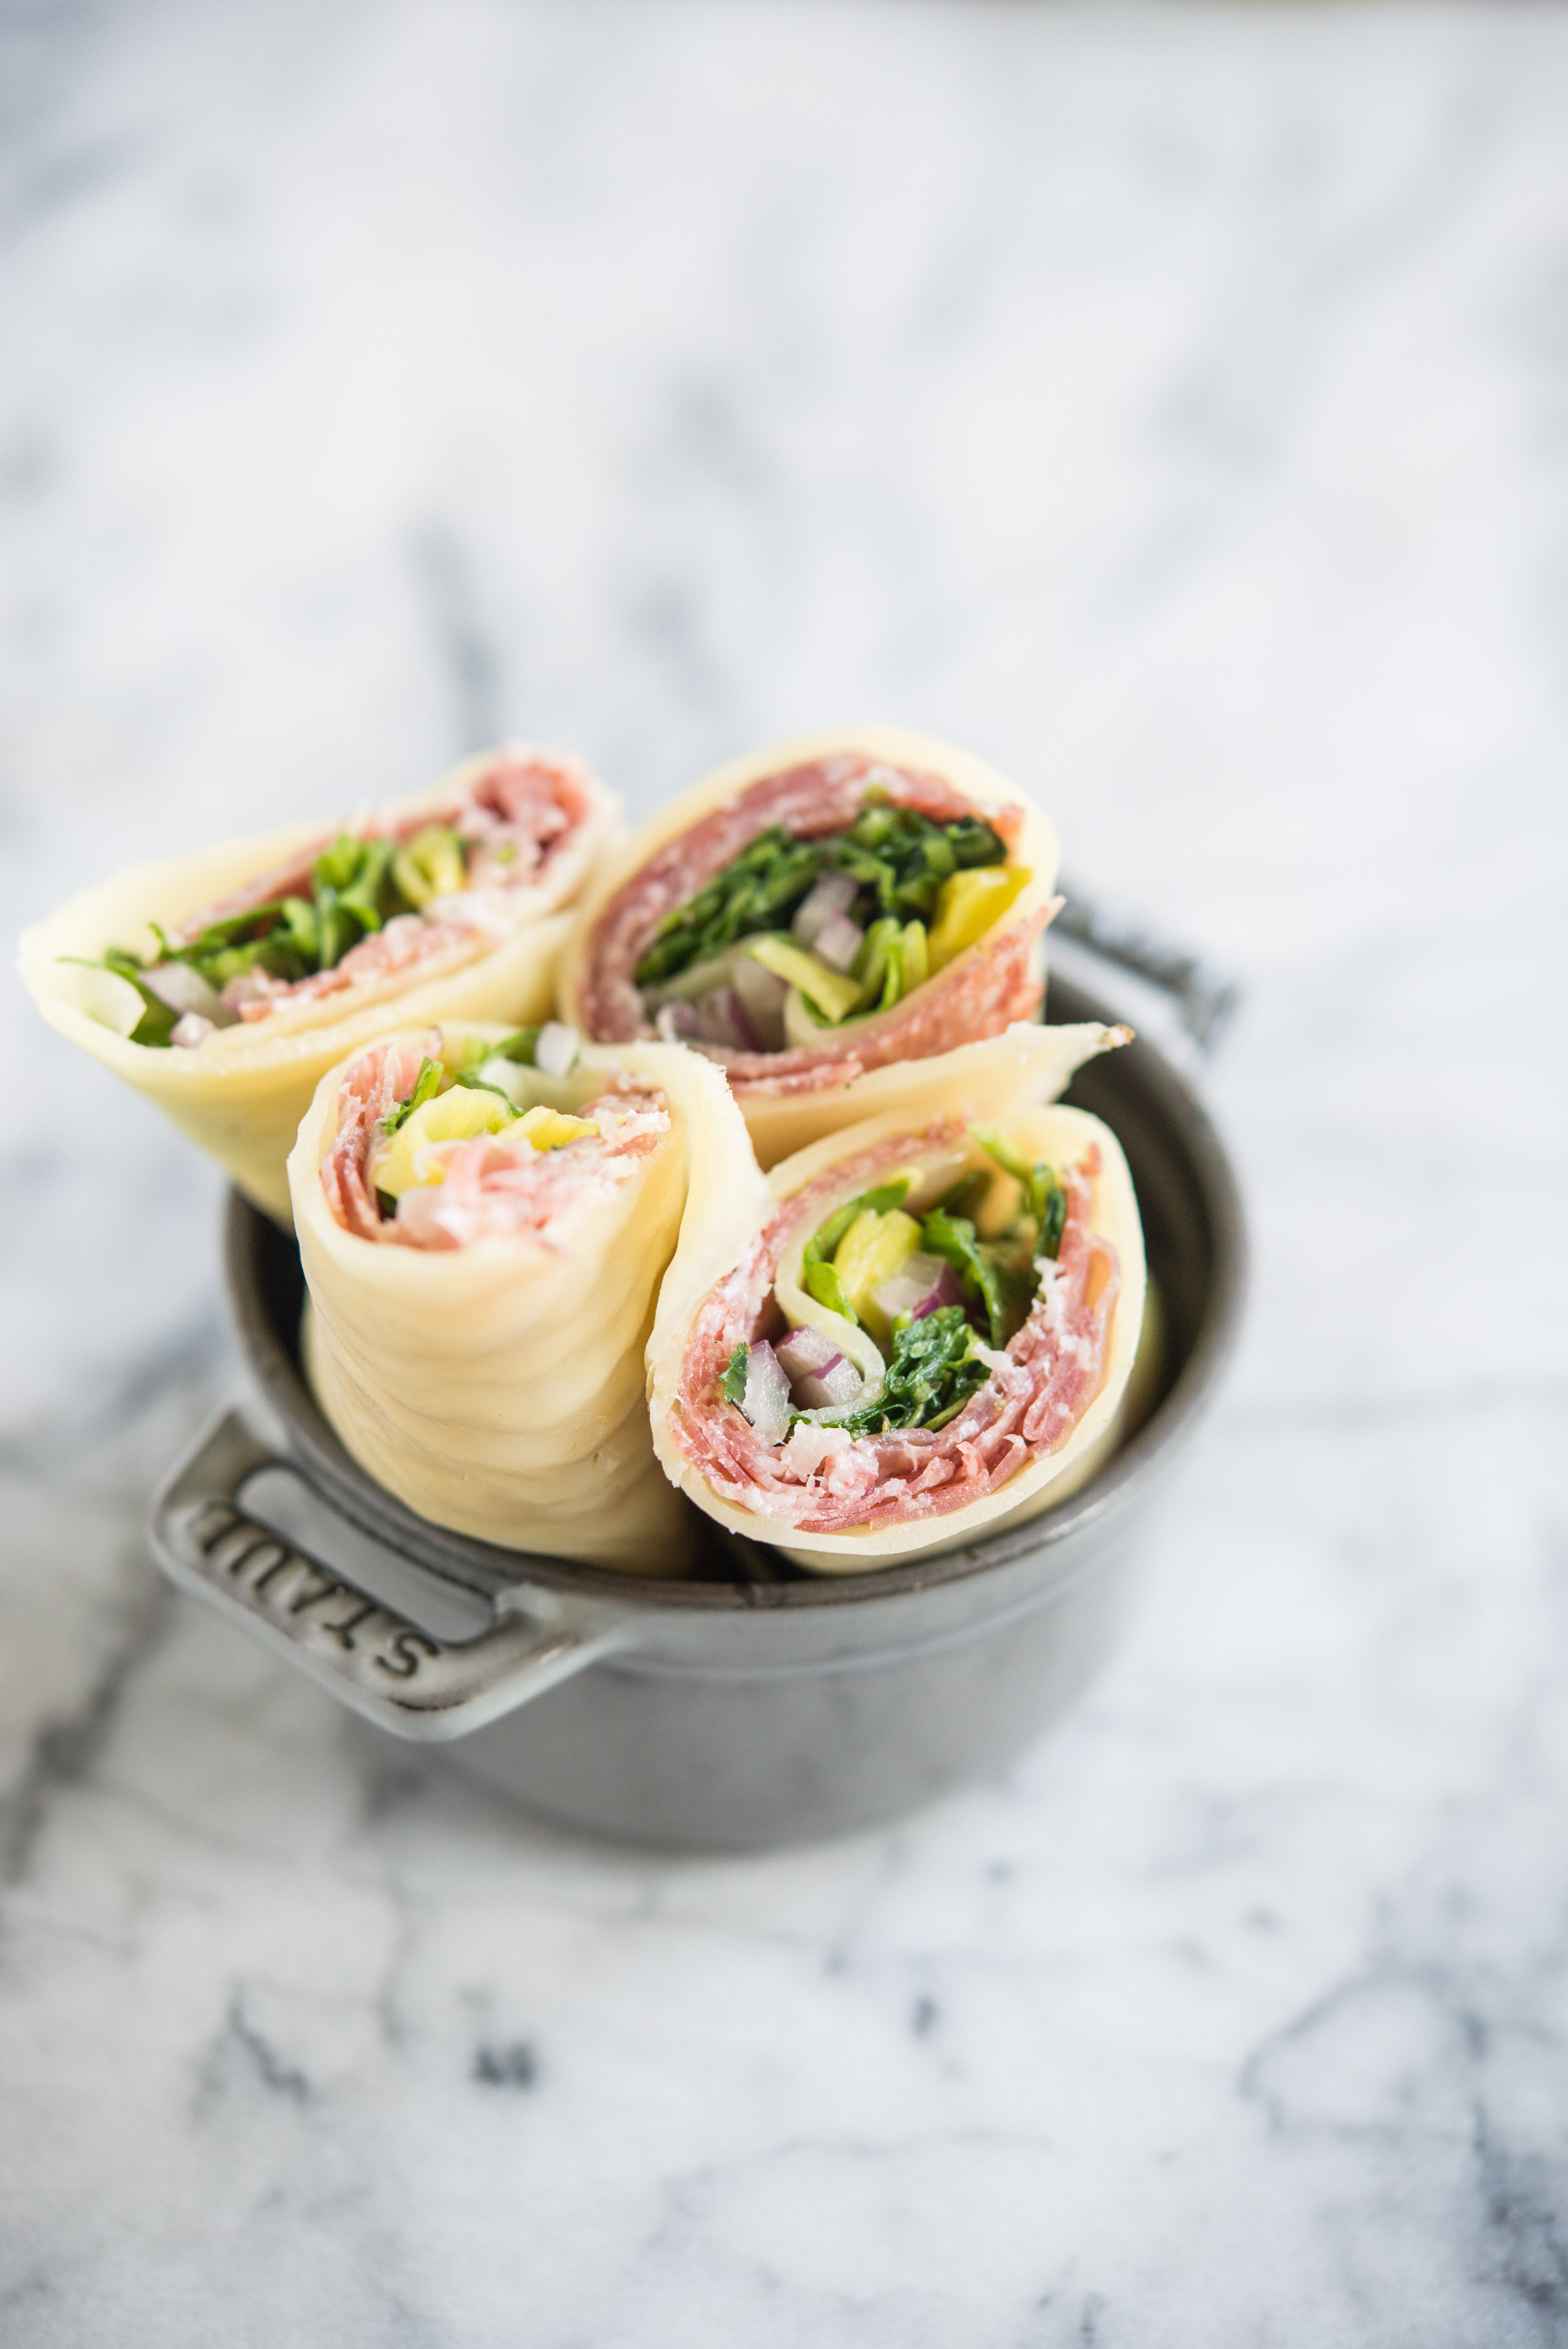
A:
x: 821, y: 919
x: 484, y: 1219
x: 224, y: 983
x: 928, y: 1332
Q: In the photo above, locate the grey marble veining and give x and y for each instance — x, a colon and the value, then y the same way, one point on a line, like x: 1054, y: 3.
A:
x: 1173, y: 403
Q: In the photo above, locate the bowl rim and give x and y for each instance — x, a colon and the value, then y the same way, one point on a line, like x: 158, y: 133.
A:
x: 314, y: 1449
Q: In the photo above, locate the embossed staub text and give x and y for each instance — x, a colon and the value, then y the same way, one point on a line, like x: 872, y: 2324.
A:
x: 277, y: 1580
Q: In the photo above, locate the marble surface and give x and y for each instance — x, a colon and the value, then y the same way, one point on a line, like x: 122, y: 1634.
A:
x: 1174, y: 404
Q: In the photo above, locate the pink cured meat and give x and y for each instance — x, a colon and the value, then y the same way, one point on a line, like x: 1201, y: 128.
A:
x: 523, y: 804
x: 822, y: 1482
x: 978, y: 994
x: 491, y: 1189
x: 403, y: 944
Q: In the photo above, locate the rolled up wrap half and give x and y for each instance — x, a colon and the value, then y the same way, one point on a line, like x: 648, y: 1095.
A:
x: 921, y: 954
x: 484, y: 949
x: 1021, y: 1408
x: 481, y: 1351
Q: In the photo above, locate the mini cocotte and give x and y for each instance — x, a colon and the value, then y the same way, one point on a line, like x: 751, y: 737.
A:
x: 222, y: 984
x: 483, y: 1240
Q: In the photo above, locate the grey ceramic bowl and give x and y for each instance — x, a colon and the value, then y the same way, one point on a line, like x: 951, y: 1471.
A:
x: 748, y: 1706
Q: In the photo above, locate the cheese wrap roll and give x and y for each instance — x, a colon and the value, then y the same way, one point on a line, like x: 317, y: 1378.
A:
x: 819, y: 918
x: 927, y: 1335
x: 224, y: 983
x: 484, y: 1220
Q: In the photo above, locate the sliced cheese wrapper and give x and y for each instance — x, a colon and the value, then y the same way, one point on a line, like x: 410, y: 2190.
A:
x: 982, y: 1086
x: 790, y: 1099
x: 241, y: 1092
x: 498, y: 1389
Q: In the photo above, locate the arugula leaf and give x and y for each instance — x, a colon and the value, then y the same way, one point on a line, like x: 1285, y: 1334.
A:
x: 1012, y: 1259
x: 732, y: 1386
x: 337, y: 866
x: 905, y: 858
x: 934, y: 1371
x: 158, y: 1019
x: 1044, y: 1192
x: 333, y: 926
x: 953, y: 1238
x: 388, y: 1205
x: 519, y: 1047
x: 821, y: 1281
x: 367, y: 894
x: 967, y: 1194
x: 303, y: 929
x: 228, y: 932
x: 427, y: 1085
x: 758, y: 890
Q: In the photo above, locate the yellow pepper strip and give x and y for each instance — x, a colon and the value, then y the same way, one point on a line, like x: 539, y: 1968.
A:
x: 455, y: 1116
x: 431, y: 865
x: 871, y: 1252
x: 968, y: 906
x: 552, y: 1129
x: 831, y: 991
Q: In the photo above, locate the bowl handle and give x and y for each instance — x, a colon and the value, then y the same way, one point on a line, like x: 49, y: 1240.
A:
x: 1204, y: 999
x: 364, y: 1652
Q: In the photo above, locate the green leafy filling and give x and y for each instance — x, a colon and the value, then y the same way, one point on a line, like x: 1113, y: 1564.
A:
x: 733, y: 1384
x: 934, y: 1371
x: 427, y: 1085
x: 158, y: 1019
x: 518, y: 1048
x: 1045, y: 1195
x: 954, y: 1239
x: 354, y: 891
x: 935, y: 1367
x: 898, y: 857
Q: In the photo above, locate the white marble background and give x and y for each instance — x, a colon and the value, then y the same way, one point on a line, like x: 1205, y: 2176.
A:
x: 1174, y: 404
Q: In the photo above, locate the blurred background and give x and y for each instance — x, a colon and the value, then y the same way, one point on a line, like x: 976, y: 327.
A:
x: 1170, y: 403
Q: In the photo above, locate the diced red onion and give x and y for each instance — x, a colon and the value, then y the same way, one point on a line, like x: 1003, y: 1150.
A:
x: 556, y: 1050
x: 828, y: 1389
x: 740, y: 1021
x: 718, y: 1018
x: 920, y: 1285
x: 839, y: 941
x: 833, y: 894
x: 766, y: 1401
x: 674, y: 1022
x: 190, y: 1028
x: 762, y: 994
x: 185, y: 990
x: 806, y: 1350
x: 258, y: 986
